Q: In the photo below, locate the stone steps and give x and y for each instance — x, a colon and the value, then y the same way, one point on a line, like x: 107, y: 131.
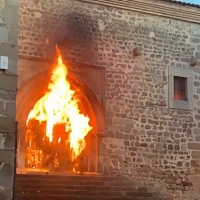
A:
x: 70, y: 197
x: 75, y: 187
x: 78, y: 187
x: 83, y: 192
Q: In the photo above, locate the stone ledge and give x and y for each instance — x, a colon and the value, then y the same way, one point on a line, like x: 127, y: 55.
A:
x: 159, y: 8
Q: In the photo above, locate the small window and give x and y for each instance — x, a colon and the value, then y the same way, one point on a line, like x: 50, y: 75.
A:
x: 180, y: 88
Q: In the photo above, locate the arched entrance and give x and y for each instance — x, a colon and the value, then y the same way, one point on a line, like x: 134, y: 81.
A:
x: 33, y: 90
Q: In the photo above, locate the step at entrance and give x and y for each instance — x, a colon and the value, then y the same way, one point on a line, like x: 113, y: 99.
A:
x: 78, y: 187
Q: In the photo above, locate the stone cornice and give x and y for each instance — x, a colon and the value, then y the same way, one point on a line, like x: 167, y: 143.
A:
x: 154, y: 7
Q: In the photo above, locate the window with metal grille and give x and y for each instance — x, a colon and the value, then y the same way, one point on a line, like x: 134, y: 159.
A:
x: 180, y: 88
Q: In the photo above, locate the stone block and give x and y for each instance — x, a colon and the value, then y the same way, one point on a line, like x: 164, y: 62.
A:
x: 108, y: 120
x: 12, y: 67
x: 7, y: 155
x: 10, y: 110
x: 137, y: 51
x: 117, y: 121
x: 6, y: 175
x: 8, y: 140
x: 193, y: 62
x: 194, y: 178
x: 196, y: 131
x: 12, y: 35
x: 195, y: 163
x: 3, y: 33
x: 197, y: 138
x: 198, y: 90
x: 100, y: 167
x: 9, y: 49
x: 197, y: 55
x: 7, y: 124
x: 8, y: 82
x: 6, y: 194
x: 1, y: 107
x: 113, y: 128
x: 128, y: 122
x: 193, y: 194
x: 11, y: 2
x: 2, y: 141
x: 196, y: 187
x: 196, y: 83
x: 10, y: 15
x: 196, y: 154
x: 194, y: 40
x: 194, y: 146
x: 8, y: 96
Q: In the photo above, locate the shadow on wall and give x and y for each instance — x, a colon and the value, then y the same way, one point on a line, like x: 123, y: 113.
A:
x: 80, y: 38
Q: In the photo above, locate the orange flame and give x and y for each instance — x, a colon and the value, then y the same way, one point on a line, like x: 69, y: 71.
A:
x: 59, y: 106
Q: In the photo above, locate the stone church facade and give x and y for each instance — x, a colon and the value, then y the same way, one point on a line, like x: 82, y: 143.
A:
x: 149, y: 52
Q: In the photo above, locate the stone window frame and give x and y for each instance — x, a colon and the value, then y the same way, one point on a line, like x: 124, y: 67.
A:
x: 180, y: 72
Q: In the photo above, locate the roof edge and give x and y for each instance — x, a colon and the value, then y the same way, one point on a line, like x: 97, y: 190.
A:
x: 154, y: 7
x: 182, y: 3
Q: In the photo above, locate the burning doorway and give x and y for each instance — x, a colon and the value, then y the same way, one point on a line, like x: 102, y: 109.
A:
x: 53, y: 137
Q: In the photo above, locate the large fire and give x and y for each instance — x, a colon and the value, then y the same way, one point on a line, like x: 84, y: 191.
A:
x: 59, y: 108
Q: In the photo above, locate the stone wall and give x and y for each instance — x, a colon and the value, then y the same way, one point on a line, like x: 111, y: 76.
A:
x: 145, y: 140
x: 8, y: 84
